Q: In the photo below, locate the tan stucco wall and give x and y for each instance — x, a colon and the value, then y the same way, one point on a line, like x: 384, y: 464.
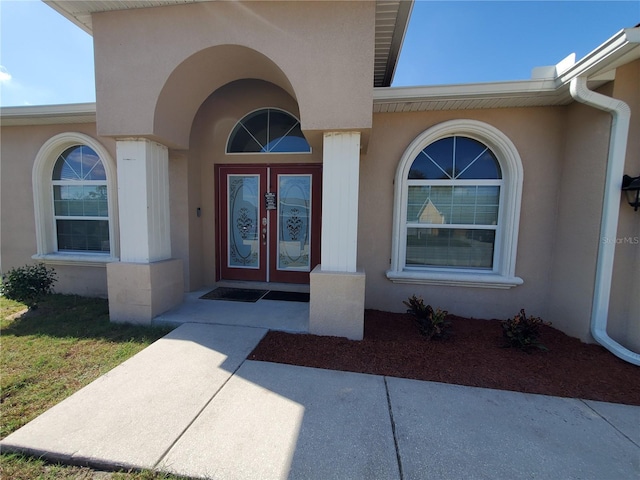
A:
x: 563, y: 149
x: 578, y: 226
x: 211, y: 128
x: 18, y: 150
x: 538, y: 135
x: 582, y: 173
x: 183, y: 195
x: 624, y: 310
x: 564, y: 152
x: 320, y: 52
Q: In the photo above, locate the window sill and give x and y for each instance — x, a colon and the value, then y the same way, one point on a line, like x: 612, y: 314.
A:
x: 77, y: 259
x: 478, y: 280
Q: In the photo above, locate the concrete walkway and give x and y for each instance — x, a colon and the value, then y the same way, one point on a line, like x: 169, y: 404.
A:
x: 192, y: 404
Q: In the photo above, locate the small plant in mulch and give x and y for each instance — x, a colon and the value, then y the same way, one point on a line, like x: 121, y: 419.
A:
x: 431, y: 323
x: 523, y: 332
x: 28, y: 284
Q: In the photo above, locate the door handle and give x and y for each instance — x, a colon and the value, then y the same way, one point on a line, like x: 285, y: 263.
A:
x: 264, y: 231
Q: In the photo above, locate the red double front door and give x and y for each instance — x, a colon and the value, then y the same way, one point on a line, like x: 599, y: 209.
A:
x: 268, y: 222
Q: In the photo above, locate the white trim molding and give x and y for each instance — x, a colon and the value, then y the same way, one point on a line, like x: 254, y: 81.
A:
x: 340, y: 186
x: 502, y: 275
x: 143, y: 186
x: 43, y: 201
x: 76, y: 259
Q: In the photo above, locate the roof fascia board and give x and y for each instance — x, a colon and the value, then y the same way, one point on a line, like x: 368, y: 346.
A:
x: 402, y: 25
x: 467, y: 91
x: 34, y: 115
x: 72, y: 18
x: 595, y: 63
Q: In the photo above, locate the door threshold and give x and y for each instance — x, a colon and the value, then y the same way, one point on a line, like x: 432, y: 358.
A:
x: 280, y: 287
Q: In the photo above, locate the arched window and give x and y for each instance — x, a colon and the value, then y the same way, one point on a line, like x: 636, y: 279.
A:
x: 80, y: 201
x: 268, y: 130
x: 74, y: 197
x: 457, y: 203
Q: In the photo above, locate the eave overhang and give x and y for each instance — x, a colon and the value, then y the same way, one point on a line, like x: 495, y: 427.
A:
x: 74, y: 113
x: 598, y: 67
x: 392, y: 20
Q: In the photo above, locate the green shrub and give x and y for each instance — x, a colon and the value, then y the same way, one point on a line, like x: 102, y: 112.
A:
x: 431, y: 324
x: 28, y: 284
x: 523, y: 332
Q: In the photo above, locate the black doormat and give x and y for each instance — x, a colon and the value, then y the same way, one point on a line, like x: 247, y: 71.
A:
x: 287, y: 296
x: 235, y: 294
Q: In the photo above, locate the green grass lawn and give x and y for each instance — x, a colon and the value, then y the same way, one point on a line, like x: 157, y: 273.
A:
x: 48, y: 354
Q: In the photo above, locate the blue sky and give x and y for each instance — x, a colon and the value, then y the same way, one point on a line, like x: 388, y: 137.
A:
x: 45, y: 59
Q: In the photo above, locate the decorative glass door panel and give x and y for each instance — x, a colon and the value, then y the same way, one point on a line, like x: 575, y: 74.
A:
x: 243, y: 221
x: 268, y: 222
x: 294, y: 222
x: 241, y: 243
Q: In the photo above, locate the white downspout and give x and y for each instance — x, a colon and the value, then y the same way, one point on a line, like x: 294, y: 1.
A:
x: 621, y: 115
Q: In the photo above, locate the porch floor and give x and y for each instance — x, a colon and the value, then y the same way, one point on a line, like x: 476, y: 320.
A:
x: 269, y: 314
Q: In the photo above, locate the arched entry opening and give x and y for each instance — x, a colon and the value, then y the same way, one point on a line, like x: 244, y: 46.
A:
x: 260, y: 184
x: 198, y: 76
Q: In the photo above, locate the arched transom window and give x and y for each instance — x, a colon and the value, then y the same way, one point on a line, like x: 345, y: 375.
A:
x: 268, y: 130
x: 456, y: 208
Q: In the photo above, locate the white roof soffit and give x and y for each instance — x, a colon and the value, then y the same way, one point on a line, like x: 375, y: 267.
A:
x: 392, y: 19
x: 599, y: 67
x: 48, y: 114
x: 79, y: 11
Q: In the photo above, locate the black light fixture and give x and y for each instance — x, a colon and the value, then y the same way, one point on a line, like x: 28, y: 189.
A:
x: 631, y: 186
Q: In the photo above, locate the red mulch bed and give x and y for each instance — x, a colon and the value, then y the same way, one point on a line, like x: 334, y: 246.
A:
x: 472, y: 356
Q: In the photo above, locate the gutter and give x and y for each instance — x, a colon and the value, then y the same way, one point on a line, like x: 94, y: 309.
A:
x: 621, y: 114
x: 619, y: 49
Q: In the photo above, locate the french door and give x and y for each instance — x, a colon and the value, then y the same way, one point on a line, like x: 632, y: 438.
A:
x: 268, y: 222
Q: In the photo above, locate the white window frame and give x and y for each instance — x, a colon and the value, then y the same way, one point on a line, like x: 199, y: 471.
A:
x: 502, y: 275
x: 227, y: 152
x: 46, y: 239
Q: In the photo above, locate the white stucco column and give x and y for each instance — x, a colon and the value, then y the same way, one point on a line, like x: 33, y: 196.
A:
x: 337, y: 288
x: 146, y: 282
x: 340, y: 182
x: 143, y: 193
